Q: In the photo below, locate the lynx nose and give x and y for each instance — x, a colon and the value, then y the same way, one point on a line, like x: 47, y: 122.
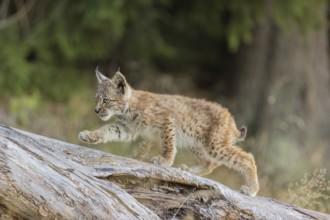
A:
x: 97, y: 110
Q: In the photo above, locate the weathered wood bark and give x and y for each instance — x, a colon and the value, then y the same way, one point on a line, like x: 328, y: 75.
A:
x: 43, y: 178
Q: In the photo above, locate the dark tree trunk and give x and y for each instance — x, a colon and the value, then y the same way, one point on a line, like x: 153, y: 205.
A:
x: 284, y: 96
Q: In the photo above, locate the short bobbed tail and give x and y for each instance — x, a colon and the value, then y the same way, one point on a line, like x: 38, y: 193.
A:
x: 243, y: 132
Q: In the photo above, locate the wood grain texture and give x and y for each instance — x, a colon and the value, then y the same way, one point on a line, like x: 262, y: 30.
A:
x: 43, y: 178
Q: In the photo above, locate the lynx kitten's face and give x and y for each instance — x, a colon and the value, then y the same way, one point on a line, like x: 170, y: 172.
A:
x: 112, y: 95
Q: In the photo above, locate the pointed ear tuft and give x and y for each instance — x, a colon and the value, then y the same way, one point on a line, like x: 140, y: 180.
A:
x: 120, y: 82
x: 100, y: 77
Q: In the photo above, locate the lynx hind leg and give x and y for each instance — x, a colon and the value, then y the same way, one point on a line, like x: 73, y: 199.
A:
x: 236, y: 159
x: 206, y: 166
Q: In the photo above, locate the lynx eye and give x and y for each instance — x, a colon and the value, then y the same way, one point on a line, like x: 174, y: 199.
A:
x: 106, y: 100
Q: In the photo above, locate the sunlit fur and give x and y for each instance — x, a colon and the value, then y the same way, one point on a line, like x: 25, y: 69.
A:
x: 206, y: 128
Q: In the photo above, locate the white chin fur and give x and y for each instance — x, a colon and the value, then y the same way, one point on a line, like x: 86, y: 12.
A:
x: 105, y: 118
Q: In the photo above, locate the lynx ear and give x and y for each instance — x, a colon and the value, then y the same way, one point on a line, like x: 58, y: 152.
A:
x: 120, y: 82
x: 100, y: 77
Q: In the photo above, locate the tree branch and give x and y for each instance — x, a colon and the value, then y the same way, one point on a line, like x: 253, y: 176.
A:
x: 20, y: 14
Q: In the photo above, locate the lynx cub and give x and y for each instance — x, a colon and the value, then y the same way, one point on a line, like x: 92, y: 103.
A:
x: 206, y: 128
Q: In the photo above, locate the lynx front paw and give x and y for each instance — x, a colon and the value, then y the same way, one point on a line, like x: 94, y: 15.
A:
x: 159, y: 160
x: 89, y: 137
x: 247, y: 191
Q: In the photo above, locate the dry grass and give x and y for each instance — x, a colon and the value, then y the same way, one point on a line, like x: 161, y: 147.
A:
x: 311, y: 192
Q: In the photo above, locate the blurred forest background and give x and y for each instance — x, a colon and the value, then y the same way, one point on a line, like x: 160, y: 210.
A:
x: 266, y: 60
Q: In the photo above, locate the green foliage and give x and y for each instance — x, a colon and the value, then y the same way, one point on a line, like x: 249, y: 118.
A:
x: 59, y: 38
x: 290, y: 13
x: 22, y: 106
x: 241, y: 24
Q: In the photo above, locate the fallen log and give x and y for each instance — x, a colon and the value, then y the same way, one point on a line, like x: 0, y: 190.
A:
x: 43, y: 178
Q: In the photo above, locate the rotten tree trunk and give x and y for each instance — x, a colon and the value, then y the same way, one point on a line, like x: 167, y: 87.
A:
x: 43, y: 178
